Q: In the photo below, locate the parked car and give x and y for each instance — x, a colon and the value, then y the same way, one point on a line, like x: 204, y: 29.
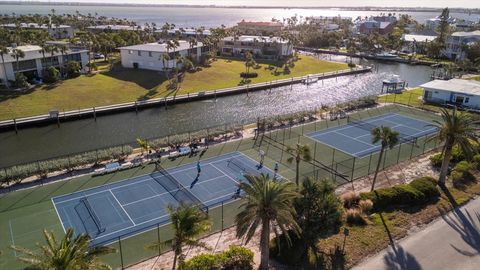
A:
x: 98, y: 56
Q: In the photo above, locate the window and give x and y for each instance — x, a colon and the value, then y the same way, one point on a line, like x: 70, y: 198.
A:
x: 139, y: 53
x: 130, y: 51
x: 467, y: 99
x: 150, y: 54
x: 428, y: 94
x: 459, y: 99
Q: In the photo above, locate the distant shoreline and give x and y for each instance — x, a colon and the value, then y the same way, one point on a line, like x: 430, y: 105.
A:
x: 363, y: 8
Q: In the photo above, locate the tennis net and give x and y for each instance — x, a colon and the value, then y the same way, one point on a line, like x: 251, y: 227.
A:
x: 404, y: 138
x: 238, y: 166
x: 94, y: 216
x: 176, y: 189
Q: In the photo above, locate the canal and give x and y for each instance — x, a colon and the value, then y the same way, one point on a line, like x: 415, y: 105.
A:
x: 38, y: 143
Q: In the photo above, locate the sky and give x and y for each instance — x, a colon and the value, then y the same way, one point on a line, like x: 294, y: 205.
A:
x: 385, y: 3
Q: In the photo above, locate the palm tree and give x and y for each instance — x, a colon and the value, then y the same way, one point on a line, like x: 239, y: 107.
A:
x: 165, y: 57
x: 188, y: 223
x: 268, y: 204
x: 387, y: 138
x: 299, y: 153
x: 192, y: 42
x: 455, y: 128
x: 17, y: 54
x: 4, y: 51
x: 70, y: 253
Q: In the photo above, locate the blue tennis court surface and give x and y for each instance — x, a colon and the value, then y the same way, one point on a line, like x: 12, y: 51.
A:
x: 355, y: 139
x: 130, y: 206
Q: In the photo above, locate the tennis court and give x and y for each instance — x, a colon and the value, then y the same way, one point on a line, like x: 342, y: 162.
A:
x: 130, y: 206
x: 355, y: 137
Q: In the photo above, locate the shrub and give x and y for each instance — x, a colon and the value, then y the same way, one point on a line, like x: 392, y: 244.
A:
x: 235, y: 258
x: 366, y: 206
x: 427, y: 185
x: 350, y: 199
x: 476, y: 161
x: 50, y: 75
x: 73, y: 69
x: 92, y: 66
x: 354, y: 217
x: 248, y: 75
x: 436, y: 160
x: 291, y: 255
x: 461, y: 175
x: 351, y: 65
x: 20, y: 80
x: 418, y: 191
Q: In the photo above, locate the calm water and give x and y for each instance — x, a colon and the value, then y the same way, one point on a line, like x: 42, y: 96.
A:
x: 208, y: 17
x: 50, y: 141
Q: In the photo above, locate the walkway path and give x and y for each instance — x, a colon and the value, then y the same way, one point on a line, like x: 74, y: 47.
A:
x: 452, y: 242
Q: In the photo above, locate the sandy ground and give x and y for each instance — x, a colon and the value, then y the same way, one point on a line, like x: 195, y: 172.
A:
x: 399, y: 174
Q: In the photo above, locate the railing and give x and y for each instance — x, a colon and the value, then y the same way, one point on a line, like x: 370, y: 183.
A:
x: 183, y: 97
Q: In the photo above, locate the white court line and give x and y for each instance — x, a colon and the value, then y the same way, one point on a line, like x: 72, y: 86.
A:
x: 129, y: 227
x: 414, y: 135
x: 165, y: 193
x: 224, y: 173
x: 149, y: 178
x: 55, y: 206
x: 122, y: 207
x: 11, y: 237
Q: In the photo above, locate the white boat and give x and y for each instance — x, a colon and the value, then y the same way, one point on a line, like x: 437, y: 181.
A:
x: 386, y: 56
x: 309, y: 80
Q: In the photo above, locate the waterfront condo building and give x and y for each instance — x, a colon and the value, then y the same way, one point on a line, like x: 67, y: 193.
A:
x: 454, y: 45
x: 55, y: 31
x: 158, y: 56
x: 259, y: 28
x: 34, y: 62
x: 261, y: 47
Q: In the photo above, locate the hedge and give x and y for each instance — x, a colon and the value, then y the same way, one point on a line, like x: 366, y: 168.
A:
x: 461, y: 174
x: 17, y: 173
x: 234, y: 258
x: 419, y: 191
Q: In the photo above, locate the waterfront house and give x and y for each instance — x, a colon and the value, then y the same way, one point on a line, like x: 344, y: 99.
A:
x: 33, y: 64
x: 454, y: 45
x: 416, y: 43
x: 261, y: 47
x: 462, y: 93
x: 113, y: 28
x: 433, y: 23
x: 149, y: 56
x: 259, y: 28
x: 371, y: 26
x: 55, y: 31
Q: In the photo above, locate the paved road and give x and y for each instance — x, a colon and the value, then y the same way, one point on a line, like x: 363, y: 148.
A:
x: 452, y: 242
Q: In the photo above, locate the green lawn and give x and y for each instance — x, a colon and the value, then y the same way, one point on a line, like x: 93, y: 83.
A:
x: 124, y: 85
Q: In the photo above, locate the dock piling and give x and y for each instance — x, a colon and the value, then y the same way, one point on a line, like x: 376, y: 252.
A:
x: 94, y: 114
x: 136, y: 107
x: 15, y: 124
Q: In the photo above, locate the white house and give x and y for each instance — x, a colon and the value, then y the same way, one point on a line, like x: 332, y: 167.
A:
x: 453, y: 48
x: 433, y: 23
x: 259, y: 46
x: 463, y: 93
x: 416, y: 43
x: 55, y: 31
x: 33, y: 64
x: 149, y: 56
